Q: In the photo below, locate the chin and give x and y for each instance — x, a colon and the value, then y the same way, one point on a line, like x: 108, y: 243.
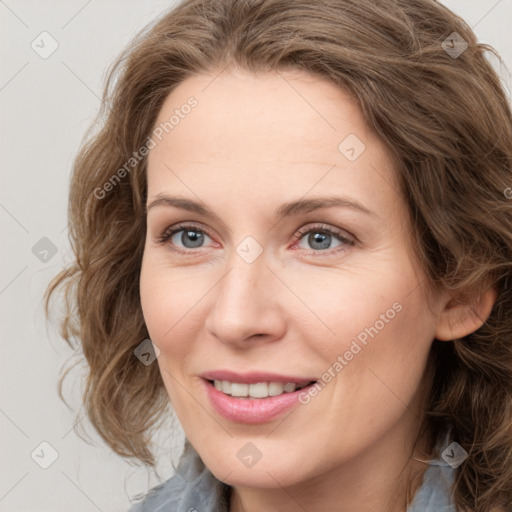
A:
x: 275, y: 472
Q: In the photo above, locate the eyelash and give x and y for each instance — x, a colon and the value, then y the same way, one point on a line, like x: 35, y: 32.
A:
x: 321, y: 228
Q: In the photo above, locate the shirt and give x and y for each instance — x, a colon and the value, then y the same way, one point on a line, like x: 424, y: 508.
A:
x: 194, y: 489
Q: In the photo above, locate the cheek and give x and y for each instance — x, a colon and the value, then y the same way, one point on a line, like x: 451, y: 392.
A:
x: 151, y: 295
x: 172, y: 302
x: 377, y: 333
x: 374, y: 382
x: 388, y: 368
x: 158, y: 299
x: 348, y: 309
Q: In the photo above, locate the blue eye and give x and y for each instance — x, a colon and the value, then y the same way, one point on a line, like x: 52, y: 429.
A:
x: 191, y: 237
x: 185, y: 238
x: 319, y: 238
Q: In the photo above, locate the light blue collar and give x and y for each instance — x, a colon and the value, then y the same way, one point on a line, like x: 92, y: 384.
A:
x: 435, y: 492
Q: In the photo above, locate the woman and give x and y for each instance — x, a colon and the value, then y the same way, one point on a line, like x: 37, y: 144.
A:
x: 293, y: 226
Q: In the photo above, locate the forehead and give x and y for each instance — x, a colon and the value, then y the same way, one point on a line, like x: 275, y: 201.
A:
x: 279, y: 133
x: 270, y: 110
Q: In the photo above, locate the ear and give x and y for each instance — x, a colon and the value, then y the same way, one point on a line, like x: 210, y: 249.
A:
x: 461, y: 317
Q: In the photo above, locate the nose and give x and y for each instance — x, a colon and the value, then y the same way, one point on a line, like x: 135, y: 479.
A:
x: 247, y: 305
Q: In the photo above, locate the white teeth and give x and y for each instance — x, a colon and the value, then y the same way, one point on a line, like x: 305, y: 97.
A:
x: 275, y: 388
x: 238, y: 389
x: 256, y: 390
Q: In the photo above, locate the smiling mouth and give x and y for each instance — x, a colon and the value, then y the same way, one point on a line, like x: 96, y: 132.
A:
x: 257, y: 390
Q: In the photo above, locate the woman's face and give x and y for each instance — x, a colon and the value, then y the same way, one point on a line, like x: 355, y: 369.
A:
x: 277, y: 251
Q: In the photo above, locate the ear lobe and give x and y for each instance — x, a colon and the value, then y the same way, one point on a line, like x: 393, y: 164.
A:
x: 460, y: 318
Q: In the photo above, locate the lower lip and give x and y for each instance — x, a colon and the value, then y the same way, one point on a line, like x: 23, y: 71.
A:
x: 252, y: 410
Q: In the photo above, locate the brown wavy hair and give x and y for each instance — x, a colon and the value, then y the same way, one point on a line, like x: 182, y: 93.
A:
x: 446, y: 123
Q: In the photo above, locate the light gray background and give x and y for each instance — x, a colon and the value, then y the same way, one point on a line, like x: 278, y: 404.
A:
x: 46, y: 106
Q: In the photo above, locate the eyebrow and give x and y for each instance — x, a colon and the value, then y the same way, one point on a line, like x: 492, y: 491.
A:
x: 285, y: 210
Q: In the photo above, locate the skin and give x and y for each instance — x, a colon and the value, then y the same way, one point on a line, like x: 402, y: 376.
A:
x: 252, y: 144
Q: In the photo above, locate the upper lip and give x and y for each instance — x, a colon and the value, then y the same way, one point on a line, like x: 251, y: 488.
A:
x: 254, y: 377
